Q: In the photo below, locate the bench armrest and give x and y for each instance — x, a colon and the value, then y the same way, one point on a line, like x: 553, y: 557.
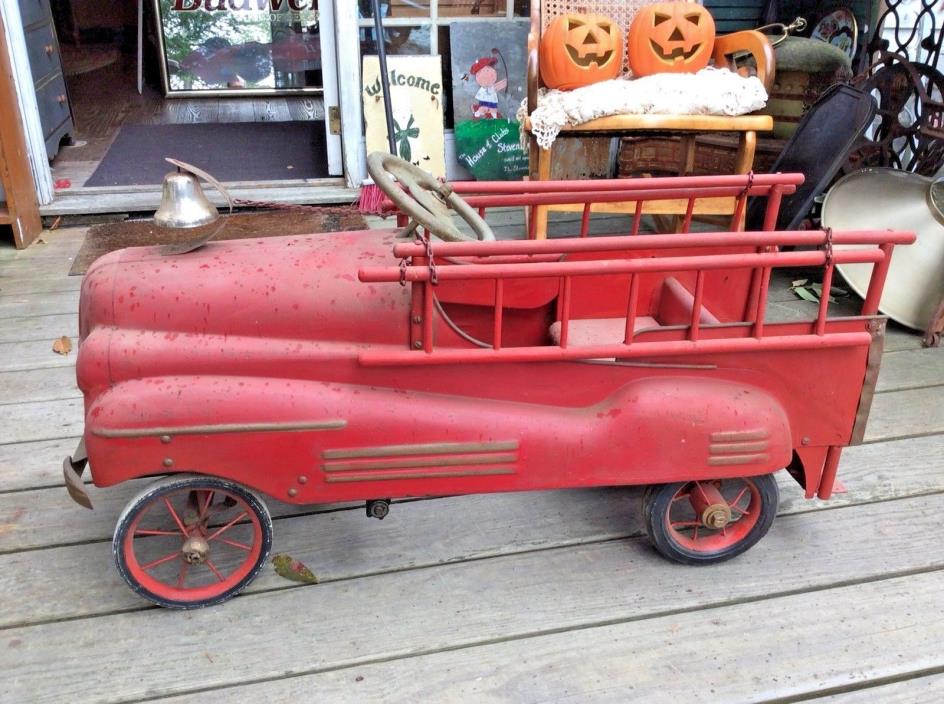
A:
x: 751, y: 42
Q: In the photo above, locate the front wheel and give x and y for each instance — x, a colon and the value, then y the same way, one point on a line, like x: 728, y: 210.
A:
x: 703, y: 522
x: 191, y: 541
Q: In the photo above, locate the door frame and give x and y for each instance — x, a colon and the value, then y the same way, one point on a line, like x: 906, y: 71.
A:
x: 349, y: 81
x: 340, y: 67
x: 15, y: 41
x: 327, y: 28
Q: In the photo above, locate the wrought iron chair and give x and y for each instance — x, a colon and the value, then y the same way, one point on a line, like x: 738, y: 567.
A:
x: 687, y: 127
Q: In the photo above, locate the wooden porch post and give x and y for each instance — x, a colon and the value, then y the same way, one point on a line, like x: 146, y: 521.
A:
x: 21, y: 209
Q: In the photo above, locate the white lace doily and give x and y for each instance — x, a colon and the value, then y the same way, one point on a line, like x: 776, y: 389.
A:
x: 711, y: 91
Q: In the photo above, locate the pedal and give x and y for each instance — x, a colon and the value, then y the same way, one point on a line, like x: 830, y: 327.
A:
x: 378, y: 508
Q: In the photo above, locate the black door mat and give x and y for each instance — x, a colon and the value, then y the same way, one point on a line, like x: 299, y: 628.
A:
x: 231, y: 151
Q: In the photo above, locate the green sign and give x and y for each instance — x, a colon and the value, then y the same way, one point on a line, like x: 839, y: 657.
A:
x: 491, y: 149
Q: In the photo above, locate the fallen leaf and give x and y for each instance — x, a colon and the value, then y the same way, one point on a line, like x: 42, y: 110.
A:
x: 806, y: 294
x: 288, y: 567
x: 62, y: 346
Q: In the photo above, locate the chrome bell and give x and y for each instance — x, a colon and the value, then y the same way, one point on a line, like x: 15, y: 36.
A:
x: 183, y: 203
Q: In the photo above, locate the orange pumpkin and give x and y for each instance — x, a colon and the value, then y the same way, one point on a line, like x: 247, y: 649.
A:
x: 670, y: 37
x: 577, y: 50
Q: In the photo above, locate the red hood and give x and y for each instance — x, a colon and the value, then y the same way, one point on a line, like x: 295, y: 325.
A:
x: 296, y: 287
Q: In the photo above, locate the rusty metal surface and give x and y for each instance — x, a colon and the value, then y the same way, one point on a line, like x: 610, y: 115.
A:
x: 907, y: 132
x: 932, y: 336
x: 872, y: 365
x: 72, y: 468
x: 901, y: 19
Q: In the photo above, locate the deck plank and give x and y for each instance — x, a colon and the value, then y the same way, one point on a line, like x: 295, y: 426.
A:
x: 42, y: 420
x: 920, y: 690
x: 909, y: 369
x: 403, y: 614
x: 45, y: 384
x: 414, y: 534
x: 910, y: 412
x: 35, y: 354
x: 31, y: 304
x: 775, y: 649
x: 39, y: 327
x: 54, y: 283
x: 31, y: 465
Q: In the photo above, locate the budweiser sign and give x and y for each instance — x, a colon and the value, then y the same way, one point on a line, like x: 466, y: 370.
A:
x: 240, y: 5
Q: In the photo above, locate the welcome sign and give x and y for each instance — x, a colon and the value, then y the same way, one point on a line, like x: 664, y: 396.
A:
x: 417, y: 103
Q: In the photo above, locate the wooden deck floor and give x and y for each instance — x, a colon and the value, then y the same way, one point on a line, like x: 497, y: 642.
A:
x: 546, y: 597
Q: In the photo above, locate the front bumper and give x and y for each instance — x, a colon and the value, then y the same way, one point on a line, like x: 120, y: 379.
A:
x: 72, y: 468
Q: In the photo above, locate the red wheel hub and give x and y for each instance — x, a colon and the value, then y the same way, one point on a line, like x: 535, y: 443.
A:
x: 710, y: 516
x: 193, y: 544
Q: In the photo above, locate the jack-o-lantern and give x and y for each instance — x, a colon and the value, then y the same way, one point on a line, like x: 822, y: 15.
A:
x: 670, y: 37
x: 577, y: 50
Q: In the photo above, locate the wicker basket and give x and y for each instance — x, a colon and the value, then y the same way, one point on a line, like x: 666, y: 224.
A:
x: 714, y: 154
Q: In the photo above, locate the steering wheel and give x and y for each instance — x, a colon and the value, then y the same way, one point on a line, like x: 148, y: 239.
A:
x: 431, y: 201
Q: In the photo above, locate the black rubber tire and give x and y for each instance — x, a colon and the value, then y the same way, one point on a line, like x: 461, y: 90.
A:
x: 189, y: 481
x: 657, y: 500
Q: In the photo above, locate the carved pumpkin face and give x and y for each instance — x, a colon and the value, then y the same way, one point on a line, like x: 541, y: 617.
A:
x: 577, y: 50
x: 670, y: 37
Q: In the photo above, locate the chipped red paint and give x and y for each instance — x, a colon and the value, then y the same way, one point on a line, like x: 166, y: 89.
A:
x: 261, y: 360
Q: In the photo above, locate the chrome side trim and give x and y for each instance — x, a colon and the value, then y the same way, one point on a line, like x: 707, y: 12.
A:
x: 220, y: 429
x: 720, y: 460
x: 440, y: 448
x: 388, y: 476
x: 739, y: 435
x: 418, y: 462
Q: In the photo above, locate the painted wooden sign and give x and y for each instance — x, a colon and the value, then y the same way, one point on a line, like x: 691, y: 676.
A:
x: 416, y: 94
x: 489, y: 65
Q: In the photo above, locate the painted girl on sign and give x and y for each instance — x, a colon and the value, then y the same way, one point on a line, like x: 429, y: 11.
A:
x: 486, y: 99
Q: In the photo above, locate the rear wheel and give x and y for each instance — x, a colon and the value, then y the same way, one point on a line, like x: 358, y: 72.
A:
x: 190, y: 541
x: 703, y: 522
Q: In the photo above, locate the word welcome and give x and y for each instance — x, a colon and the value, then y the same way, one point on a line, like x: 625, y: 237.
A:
x: 398, y: 79
x: 237, y: 5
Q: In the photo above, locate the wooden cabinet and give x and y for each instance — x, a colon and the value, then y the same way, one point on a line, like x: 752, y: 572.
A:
x: 46, y: 65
